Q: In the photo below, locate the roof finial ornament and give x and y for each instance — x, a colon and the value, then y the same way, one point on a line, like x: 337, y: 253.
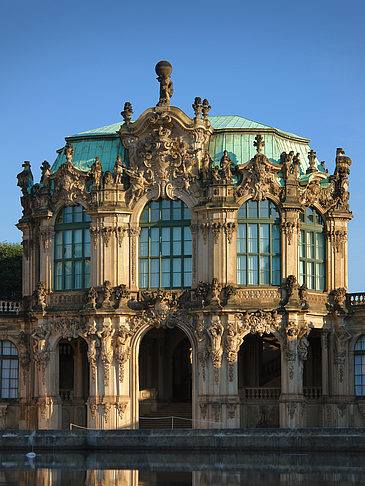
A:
x: 69, y: 152
x: 197, y: 107
x: 312, y: 162
x: 127, y: 112
x: 206, y: 108
x: 259, y: 143
x: 163, y: 70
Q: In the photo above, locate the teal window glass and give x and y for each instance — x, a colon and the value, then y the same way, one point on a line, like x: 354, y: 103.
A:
x: 8, y: 370
x: 312, y: 251
x: 72, y: 249
x: 359, y: 357
x: 258, y: 244
x: 165, y: 246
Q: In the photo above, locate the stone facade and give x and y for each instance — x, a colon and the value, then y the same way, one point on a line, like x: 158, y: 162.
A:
x: 169, y: 158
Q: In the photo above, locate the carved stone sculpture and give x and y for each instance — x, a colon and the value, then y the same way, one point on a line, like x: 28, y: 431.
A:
x: 25, y: 178
x: 41, y: 295
x: 259, y: 176
x: 41, y: 347
x: 96, y: 172
x: 123, y: 349
x: 91, y: 297
x: 127, y: 112
x: 227, y: 165
x: 206, y: 108
x: 215, y: 333
x: 106, y: 293
x: 260, y: 322
x: 197, y: 107
x: 118, y: 170
x: 106, y: 337
x: 46, y: 172
x: 163, y: 70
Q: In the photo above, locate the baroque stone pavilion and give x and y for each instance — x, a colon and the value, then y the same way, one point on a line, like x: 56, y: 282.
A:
x: 187, y: 266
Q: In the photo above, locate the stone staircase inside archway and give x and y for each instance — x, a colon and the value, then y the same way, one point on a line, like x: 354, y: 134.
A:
x: 162, y: 417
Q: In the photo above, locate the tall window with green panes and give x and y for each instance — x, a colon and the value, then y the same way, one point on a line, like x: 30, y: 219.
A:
x: 258, y: 244
x: 165, y: 249
x: 312, y: 253
x: 72, y: 249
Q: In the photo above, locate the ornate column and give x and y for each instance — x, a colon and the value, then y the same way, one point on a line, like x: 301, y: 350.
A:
x: 218, y: 385
x: 46, y: 252
x: 48, y: 401
x: 325, y: 363
x: 292, y: 406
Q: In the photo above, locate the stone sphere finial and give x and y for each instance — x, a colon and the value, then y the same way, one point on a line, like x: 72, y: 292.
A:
x: 163, y: 70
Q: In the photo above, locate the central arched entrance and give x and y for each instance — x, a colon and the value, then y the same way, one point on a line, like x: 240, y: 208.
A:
x: 165, y: 379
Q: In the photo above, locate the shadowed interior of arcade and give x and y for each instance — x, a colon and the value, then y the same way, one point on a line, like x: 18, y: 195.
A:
x: 165, y: 379
x: 259, y: 380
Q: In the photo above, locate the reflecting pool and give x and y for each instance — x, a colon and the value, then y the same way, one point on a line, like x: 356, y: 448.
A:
x: 184, y: 469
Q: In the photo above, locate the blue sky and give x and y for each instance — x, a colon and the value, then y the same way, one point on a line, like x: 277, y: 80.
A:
x: 69, y: 66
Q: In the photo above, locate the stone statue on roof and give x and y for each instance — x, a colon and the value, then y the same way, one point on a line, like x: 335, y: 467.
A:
x: 163, y: 70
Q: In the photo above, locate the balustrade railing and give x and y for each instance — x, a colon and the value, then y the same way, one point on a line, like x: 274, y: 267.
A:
x: 260, y: 393
x: 355, y: 299
x: 8, y: 306
x: 312, y: 392
x: 66, y: 395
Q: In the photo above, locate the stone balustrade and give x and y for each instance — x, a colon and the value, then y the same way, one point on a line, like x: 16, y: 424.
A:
x: 356, y: 299
x: 312, y: 392
x: 9, y: 306
x: 260, y: 393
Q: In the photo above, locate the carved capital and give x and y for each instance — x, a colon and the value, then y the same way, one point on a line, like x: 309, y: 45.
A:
x: 230, y: 228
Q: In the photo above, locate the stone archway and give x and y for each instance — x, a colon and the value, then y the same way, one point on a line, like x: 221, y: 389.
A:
x: 165, y: 379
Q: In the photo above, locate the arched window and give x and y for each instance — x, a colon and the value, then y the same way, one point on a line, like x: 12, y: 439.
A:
x: 360, y: 367
x: 8, y: 370
x: 165, y: 245
x: 72, y: 249
x: 312, y: 259
x: 258, y: 244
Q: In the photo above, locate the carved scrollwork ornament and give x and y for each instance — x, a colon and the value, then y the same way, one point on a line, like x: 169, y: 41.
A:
x: 120, y: 232
x: 106, y: 338
x: 121, y: 408
x: 288, y: 228
x: 342, y: 337
x: 230, y: 227
x: 41, y: 354
x: 258, y: 176
x: 123, y: 349
x: 215, y: 334
x: 260, y: 322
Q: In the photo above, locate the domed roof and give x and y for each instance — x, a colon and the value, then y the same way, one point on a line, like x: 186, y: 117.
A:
x: 232, y: 133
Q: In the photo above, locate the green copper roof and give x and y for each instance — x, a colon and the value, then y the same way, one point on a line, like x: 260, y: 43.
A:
x: 87, y: 149
x: 224, y: 122
x: 232, y: 133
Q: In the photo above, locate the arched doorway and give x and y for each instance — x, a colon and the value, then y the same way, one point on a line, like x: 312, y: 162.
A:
x: 73, y: 381
x: 165, y: 379
x: 259, y: 380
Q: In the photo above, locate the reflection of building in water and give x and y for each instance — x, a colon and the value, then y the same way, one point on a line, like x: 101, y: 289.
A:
x: 183, y: 266
x: 100, y: 477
